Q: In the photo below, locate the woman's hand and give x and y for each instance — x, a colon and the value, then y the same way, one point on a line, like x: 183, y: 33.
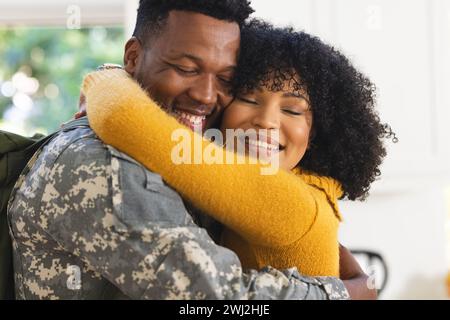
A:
x: 82, y: 101
x: 354, y: 278
x: 81, y: 107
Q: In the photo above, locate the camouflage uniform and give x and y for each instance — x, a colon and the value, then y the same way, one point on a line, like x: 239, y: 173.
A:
x: 89, y: 222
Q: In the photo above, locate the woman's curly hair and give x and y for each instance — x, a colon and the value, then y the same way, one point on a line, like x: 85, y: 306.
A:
x: 347, y: 135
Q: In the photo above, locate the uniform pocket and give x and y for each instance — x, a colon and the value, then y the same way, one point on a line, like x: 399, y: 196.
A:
x: 144, y: 197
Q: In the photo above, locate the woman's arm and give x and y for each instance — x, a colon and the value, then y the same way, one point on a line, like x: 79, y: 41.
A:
x: 270, y: 210
x: 354, y: 278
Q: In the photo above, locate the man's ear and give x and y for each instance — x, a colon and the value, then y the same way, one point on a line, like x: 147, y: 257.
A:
x: 133, y: 50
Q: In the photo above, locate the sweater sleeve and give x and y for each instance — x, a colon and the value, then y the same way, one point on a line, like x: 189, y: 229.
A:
x: 269, y: 210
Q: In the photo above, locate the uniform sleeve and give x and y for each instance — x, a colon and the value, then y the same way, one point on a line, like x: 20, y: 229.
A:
x: 269, y: 210
x: 152, y: 256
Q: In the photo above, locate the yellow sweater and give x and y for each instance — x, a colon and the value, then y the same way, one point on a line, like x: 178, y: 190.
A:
x: 283, y: 220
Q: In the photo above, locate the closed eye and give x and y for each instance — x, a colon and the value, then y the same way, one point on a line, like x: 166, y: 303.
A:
x: 292, y: 112
x: 184, y: 70
x: 225, y: 80
x: 248, y: 101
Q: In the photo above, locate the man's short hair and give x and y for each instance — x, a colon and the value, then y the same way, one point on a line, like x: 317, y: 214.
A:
x: 152, y: 14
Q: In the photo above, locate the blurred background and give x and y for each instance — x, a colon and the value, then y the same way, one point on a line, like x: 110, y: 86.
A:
x: 401, y: 234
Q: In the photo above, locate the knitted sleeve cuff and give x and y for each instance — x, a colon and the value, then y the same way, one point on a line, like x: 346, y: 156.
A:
x: 93, y: 78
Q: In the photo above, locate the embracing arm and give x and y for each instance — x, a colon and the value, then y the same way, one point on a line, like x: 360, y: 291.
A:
x: 123, y: 115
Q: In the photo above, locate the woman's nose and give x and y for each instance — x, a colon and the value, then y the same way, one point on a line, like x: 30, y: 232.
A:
x: 267, y: 117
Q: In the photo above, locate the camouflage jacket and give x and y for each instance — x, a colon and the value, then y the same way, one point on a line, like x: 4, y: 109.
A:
x: 89, y: 222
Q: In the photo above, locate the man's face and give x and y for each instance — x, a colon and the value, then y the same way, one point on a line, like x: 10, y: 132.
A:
x: 187, y: 67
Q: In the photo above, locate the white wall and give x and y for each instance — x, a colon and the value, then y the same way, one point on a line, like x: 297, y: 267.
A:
x: 403, y: 45
x: 56, y: 13
x: 130, y: 16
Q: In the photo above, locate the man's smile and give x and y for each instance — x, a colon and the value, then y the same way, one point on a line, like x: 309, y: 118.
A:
x: 190, y: 120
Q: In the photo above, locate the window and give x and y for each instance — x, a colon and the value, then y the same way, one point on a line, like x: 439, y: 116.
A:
x: 41, y: 70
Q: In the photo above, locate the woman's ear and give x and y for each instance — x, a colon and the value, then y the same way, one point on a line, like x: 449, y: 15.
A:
x: 133, y: 50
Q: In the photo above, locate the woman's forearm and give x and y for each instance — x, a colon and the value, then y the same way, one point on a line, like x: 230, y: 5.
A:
x: 354, y: 278
x: 358, y: 288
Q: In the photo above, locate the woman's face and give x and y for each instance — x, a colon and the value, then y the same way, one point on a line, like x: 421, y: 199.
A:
x: 287, y: 111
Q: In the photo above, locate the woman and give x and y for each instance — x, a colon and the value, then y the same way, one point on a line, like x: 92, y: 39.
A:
x: 329, y: 136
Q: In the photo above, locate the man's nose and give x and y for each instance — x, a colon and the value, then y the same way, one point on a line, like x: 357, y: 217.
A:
x: 267, y: 117
x: 204, y: 91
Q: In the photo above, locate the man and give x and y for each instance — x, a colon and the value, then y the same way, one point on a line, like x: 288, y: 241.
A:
x: 88, y: 222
